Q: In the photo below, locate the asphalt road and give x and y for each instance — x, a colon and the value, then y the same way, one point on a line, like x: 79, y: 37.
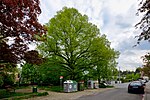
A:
x: 119, y: 93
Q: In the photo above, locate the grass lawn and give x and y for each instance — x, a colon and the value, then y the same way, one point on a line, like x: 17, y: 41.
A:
x: 52, y: 88
x: 19, y: 95
x: 4, y: 94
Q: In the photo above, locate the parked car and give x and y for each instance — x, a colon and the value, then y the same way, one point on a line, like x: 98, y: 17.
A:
x: 136, y: 87
x: 143, y: 82
x: 102, y: 85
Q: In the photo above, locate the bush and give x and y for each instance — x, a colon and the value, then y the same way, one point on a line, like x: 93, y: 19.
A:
x: 110, y: 86
x: 2, y: 92
x: 1, y: 81
x: 8, y: 79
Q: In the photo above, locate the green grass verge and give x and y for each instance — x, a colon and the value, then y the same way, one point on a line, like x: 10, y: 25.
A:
x: 52, y: 88
x: 110, y: 86
x: 18, y: 96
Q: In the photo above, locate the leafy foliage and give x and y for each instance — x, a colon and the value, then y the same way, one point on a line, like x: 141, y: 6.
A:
x: 46, y: 73
x: 103, y: 59
x: 144, y: 24
x: 132, y: 76
x: 33, y: 57
x: 50, y: 73
x: 30, y: 74
x: 19, y: 18
x: 7, y: 75
x: 75, y: 45
x: 146, y: 66
x: 68, y: 41
x: 6, y: 55
x: 18, y: 26
x: 138, y: 70
x: 18, y: 23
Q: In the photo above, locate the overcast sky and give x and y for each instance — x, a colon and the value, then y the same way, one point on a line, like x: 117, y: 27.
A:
x: 115, y: 18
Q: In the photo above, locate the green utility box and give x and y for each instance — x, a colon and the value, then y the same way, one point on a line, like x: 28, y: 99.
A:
x: 75, y: 85
x: 80, y: 85
x: 34, y: 89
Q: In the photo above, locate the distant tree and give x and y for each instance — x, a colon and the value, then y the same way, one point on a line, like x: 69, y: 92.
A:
x: 146, y: 66
x: 131, y: 77
x: 138, y: 70
x: 144, y: 24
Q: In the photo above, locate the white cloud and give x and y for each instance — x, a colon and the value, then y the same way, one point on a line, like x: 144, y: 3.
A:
x: 115, y: 18
x: 131, y: 59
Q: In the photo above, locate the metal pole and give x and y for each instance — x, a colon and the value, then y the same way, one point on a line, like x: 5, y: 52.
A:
x: 119, y: 74
x: 60, y: 83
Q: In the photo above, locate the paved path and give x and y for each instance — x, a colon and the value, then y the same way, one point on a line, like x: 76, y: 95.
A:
x: 147, y: 91
x: 69, y: 96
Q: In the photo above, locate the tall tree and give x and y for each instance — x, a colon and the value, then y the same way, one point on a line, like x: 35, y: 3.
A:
x: 18, y: 25
x: 103, y: 58
x: 68, y: 40
x: 144, y: 24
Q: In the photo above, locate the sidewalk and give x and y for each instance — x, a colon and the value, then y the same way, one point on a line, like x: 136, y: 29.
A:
x: 147, y: 90
x: 69, y: 96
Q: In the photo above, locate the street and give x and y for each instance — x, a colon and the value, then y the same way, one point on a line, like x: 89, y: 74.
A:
x: 119, y: 93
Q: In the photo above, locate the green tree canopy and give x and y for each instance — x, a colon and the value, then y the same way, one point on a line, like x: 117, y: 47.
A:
x: 75, y: 44
x: 103, y: 58
x: 68, y: 40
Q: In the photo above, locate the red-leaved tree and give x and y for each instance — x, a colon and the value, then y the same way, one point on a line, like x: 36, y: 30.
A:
x: 18, y: 23
x: 19, y: 20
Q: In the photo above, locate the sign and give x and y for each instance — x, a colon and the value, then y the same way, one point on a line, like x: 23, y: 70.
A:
x: 61, y: 77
